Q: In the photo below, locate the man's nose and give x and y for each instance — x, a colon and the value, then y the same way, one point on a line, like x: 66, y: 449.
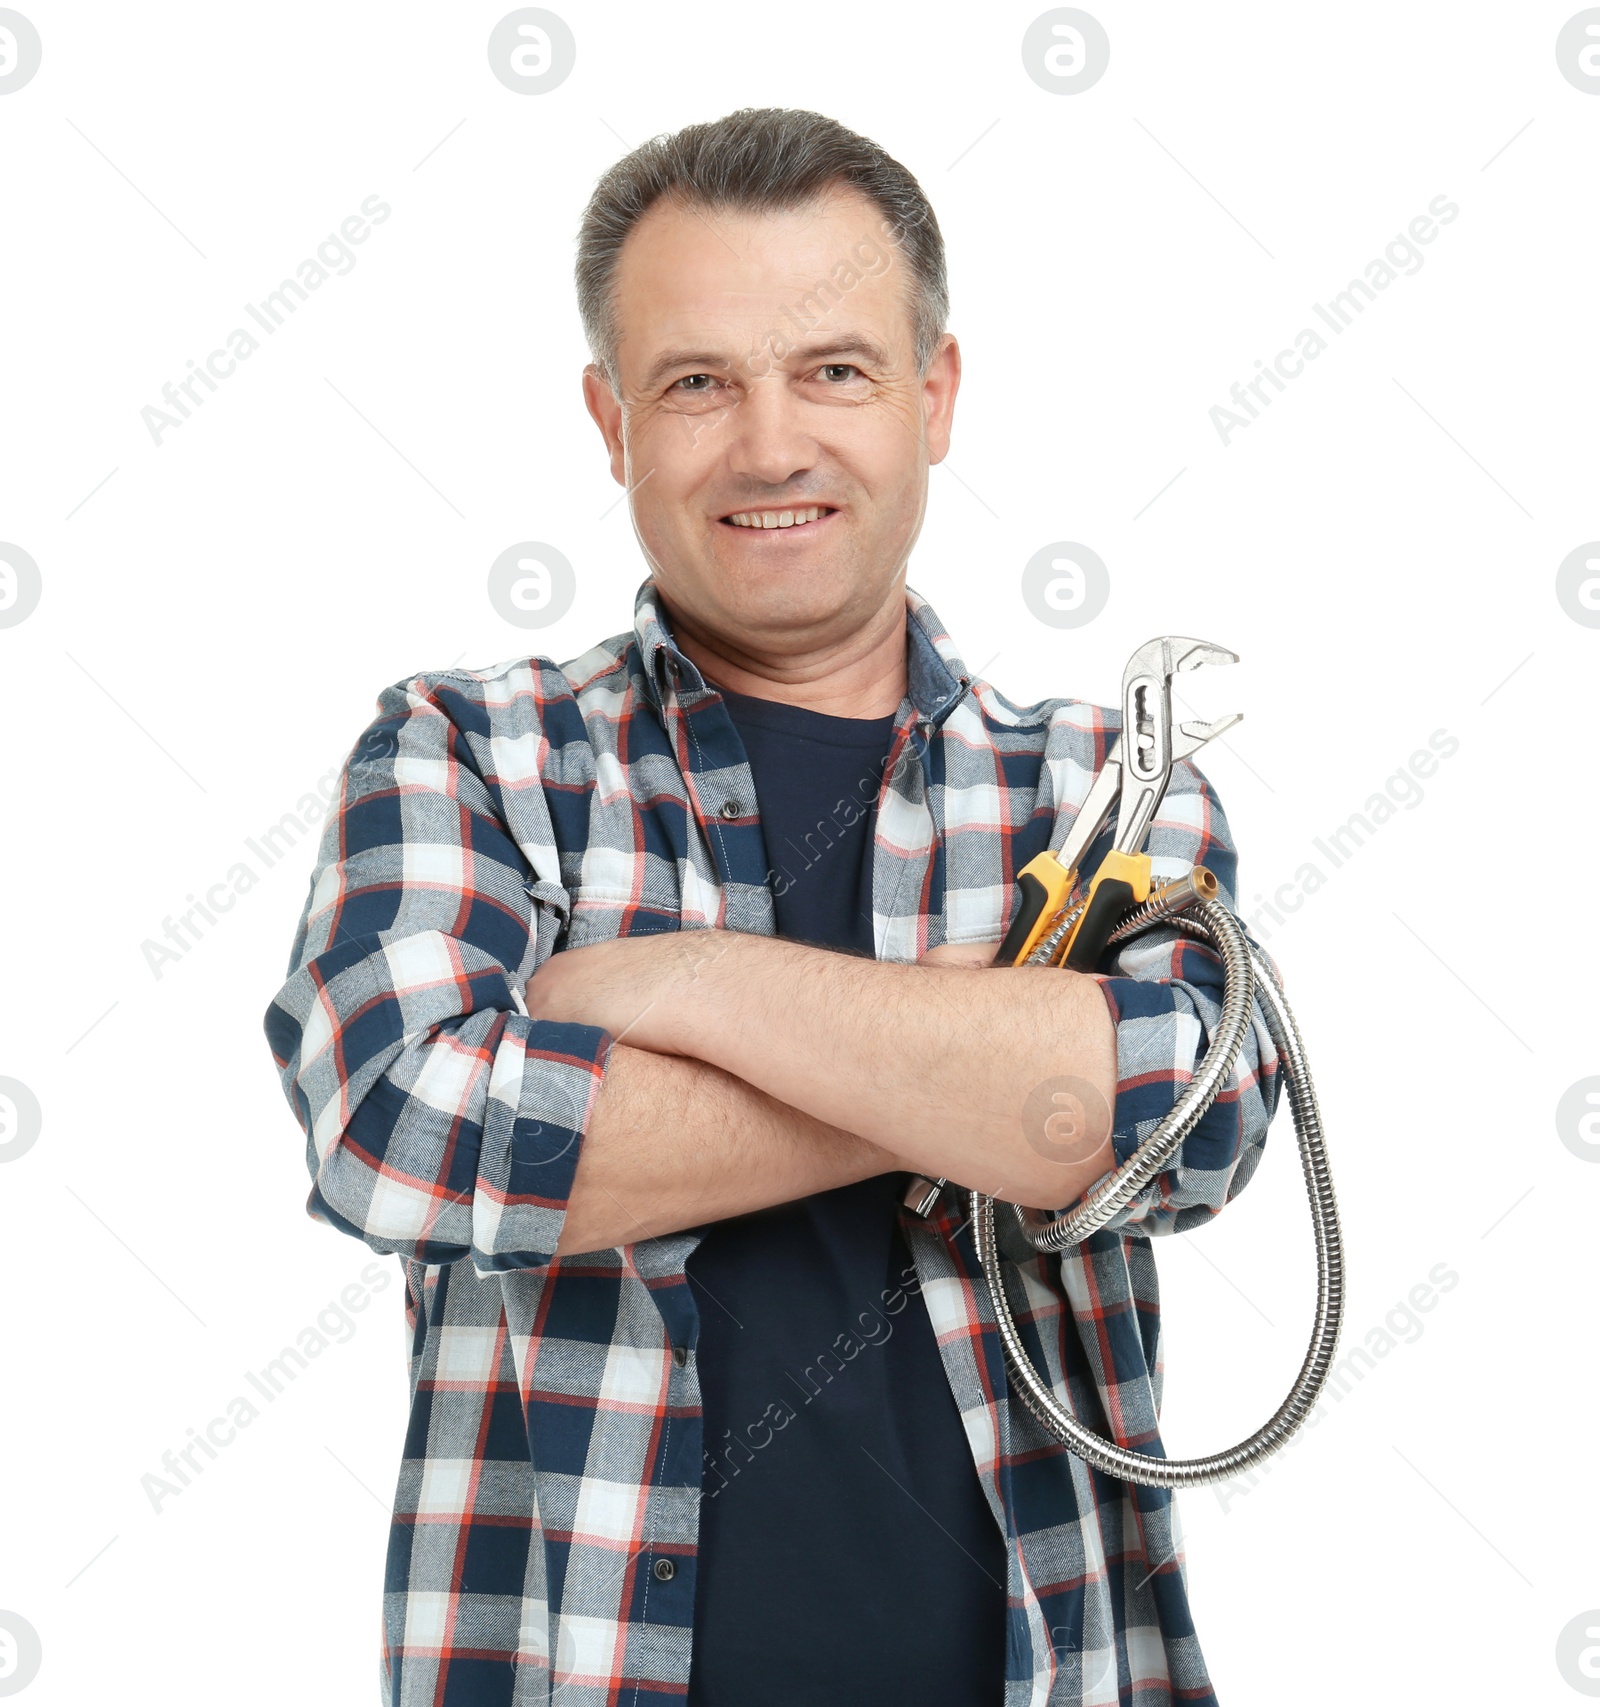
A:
x: 770, y: 440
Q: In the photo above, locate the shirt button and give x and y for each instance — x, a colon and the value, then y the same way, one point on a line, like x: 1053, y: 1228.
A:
x: 664, y: 1570
x: 680, y: 1355
x: 730, y: 809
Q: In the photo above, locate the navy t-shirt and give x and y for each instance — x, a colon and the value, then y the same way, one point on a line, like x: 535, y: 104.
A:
x: 847, y: 1552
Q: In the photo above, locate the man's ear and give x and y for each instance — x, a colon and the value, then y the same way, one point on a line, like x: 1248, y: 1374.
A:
x: 603, y: 405
x: 939, y: 395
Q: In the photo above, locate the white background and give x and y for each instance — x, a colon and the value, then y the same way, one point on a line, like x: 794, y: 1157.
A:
x: 220, y: 611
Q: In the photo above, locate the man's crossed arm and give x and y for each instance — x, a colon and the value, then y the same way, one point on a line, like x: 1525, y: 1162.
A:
x: 749, y: 1071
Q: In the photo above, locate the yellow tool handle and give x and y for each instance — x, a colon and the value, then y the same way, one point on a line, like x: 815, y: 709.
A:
x: 1122, y: 881
x: 1045, y: 883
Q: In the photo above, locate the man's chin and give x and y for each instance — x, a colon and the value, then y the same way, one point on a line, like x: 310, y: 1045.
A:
x: 744, y: 593
x: 793, y: 594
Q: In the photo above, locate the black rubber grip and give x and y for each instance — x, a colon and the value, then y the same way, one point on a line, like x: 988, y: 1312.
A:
x: 1034, y: 895
x: 1109, y: 902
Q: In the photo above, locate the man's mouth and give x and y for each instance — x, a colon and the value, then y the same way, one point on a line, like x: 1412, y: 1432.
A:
x: 768, y: 519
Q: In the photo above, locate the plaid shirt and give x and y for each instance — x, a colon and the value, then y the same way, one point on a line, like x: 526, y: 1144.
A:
x: 544, y: 1531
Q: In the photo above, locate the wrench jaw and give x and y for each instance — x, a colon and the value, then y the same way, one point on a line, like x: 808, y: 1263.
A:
x: 1194, y: 653
x: 1151, y: 743
x: 1190, y: 737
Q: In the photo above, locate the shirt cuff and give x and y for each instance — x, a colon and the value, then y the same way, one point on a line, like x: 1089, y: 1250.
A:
x: 1144, y: 1015
x: 546, y: 1078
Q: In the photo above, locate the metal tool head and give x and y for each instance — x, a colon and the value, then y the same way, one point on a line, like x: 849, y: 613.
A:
x: 1096, y: 809
x: 1191, y: 736
x: 1150, y: 742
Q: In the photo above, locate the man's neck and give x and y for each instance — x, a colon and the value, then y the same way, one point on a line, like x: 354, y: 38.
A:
x: 861, y: 675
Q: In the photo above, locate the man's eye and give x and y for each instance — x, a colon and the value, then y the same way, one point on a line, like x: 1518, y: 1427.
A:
x: 833, y: 368
x: 687, y: 383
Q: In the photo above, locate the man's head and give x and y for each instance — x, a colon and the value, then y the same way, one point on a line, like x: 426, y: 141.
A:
x: 764, y: 298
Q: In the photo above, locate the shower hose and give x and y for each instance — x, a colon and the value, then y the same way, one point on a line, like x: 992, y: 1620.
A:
x: 1191, y: 906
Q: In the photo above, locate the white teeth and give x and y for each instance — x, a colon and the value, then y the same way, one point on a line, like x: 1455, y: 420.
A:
x: 776, y: 518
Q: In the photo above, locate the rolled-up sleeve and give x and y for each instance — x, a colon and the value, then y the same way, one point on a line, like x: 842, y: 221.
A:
x: 1165, y: 992
x: 441, y: 1120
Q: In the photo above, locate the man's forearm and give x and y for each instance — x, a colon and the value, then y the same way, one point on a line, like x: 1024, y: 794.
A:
x: 674, y: 1142
x: 1002, y: 1078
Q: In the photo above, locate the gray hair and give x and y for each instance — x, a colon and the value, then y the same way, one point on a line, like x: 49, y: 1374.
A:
x: 756, y: 160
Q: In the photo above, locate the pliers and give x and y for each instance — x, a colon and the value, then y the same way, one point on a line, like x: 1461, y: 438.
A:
x: 1135, y: 773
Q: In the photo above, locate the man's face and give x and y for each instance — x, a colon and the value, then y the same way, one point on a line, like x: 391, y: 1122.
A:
x: 767, y: 370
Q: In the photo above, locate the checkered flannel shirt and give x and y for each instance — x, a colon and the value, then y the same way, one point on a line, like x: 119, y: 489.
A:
x: 543, y: 1538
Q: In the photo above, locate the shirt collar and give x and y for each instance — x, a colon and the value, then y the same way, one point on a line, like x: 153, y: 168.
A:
x: 936, y: 678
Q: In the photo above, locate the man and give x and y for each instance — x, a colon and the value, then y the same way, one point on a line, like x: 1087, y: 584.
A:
x: 630, y: 991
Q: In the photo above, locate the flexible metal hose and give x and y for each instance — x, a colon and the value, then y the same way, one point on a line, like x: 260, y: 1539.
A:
x: 1246, y: 971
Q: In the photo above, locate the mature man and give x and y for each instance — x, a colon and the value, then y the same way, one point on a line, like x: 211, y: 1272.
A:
x: 630, y: 990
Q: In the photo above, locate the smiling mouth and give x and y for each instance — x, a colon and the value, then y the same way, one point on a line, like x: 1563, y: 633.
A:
x: 768, y: 520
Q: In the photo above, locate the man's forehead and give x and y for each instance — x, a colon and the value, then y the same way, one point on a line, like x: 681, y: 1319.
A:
x: 688, y: 274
